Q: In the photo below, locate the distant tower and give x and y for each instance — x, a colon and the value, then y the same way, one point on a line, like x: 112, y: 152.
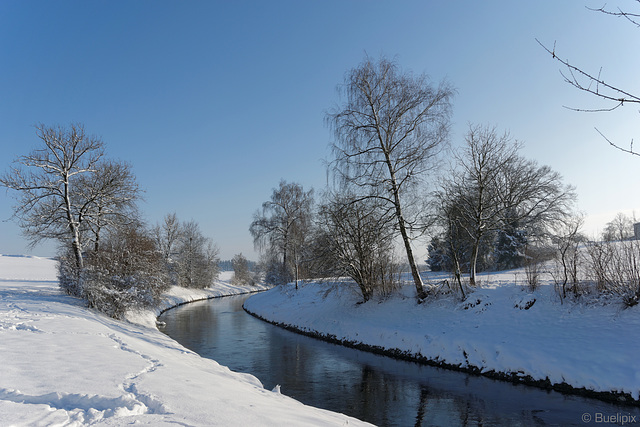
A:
x: 636, y: 231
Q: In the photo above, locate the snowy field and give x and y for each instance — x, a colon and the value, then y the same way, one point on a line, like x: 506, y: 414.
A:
x: 63, y: 364
x: 501, y: 327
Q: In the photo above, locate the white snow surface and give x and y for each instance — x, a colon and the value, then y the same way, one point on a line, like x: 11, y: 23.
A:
x: 584, y: 344
x: 63, y: 364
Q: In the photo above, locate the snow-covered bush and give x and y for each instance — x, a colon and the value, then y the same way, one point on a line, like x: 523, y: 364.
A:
x: 69, y: 276
x: 190, y: 258
x: 114, y: 294
x: 127, y: 272
x: 352, y: 239
x: 615, y: 268
x: 569, y: 258
x: 242, y: 275
x: 532, y: 270
x: 196, y: 258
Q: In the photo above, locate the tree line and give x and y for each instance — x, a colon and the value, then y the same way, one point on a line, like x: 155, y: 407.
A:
x: 227, y: 264
x: 493, y: 208
x: 68, y: 190
x: 391, y: 132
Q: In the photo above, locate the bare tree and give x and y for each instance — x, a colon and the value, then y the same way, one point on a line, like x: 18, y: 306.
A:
x: 567, y: 237
x: 49, y: 206
x: 594, y: 83
x: 282, y: 226
x: 615, y: 266
x: 127, y: 272
x: 390, y: 127
x: 619, y: 228
x: 242, y: 276
x: 196, y: 258
x: 167, y: 235
x: 354, y: 239
x: 450, y: 220
x: 470, y: 195
x: 493, y: 185
x: 108, y: 198
x: 190, y: 258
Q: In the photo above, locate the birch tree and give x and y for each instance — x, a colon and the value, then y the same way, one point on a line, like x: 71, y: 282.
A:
x: 196, y: 258
x: 242, y: 275
x: 493, y: 186
x: 282, y: 226
x: 167, y: 235
x: 49, y: 205
x: 619, y: 228
x: 388, y: 130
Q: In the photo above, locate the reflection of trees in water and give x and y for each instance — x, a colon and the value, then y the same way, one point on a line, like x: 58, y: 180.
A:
x: 384, y: 398
x: 239, y: 323
x: 435, y: 409
x: 424, y: 394
x: 292, y: 364
x: 375, y: 392
x: 188, y: 325
x: 438, y: 409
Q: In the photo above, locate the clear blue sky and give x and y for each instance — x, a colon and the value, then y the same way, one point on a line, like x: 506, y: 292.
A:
x: 214, y: 102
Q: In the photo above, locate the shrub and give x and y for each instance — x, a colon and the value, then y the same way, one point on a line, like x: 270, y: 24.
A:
x: 126, y: 273
x: 242, y: 276
x: 615, y: 268
x: 196, y: 260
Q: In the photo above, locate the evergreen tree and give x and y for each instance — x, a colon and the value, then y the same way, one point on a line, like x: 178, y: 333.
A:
x: 509, y: 248
x: 439, y: 259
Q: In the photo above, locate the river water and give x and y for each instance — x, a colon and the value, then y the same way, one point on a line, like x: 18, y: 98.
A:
x: 374, y: 388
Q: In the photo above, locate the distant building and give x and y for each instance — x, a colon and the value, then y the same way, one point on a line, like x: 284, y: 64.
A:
x: 636, y: 231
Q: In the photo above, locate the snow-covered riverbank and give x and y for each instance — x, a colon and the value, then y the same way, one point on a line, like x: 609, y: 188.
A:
x: 501, y: 329
x: 63, y: 364
x: 176, y: 296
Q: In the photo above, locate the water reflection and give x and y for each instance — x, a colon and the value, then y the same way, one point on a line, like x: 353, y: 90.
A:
x: 374, y: 388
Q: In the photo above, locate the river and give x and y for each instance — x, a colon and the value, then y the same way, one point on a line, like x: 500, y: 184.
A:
x: 374, y: 388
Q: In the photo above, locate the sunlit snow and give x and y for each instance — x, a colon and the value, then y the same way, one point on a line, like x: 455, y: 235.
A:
x: 501, y: 327
x: 63, y: 364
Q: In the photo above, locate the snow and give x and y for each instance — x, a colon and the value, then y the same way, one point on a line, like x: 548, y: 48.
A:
x: 177, y: 295
x: 63, y: 364
x: 501, y: 327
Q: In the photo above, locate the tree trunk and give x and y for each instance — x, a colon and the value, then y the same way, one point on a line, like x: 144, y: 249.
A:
x: 295, y: 260
x: 285, y: 269
x: 73, y: 227
x: 457, y: 273
x: 417, y: 280
x: 77, y: 250
x: 474, y: 261
x: 96, y: 246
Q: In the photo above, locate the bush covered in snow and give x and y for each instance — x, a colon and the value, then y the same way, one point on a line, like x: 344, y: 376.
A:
x: 127, y: 272
x: 191, y: 258
x: 242, y: 274
x: 614, y: 267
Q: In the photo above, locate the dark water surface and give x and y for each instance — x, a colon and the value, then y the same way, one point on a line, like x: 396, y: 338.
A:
x: 373, y: 388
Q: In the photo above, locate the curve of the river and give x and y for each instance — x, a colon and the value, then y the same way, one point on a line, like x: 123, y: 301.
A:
x: 374, y: 388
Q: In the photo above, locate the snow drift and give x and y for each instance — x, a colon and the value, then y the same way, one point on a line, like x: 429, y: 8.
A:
x: 63, y: 364
x: 501, y: 329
